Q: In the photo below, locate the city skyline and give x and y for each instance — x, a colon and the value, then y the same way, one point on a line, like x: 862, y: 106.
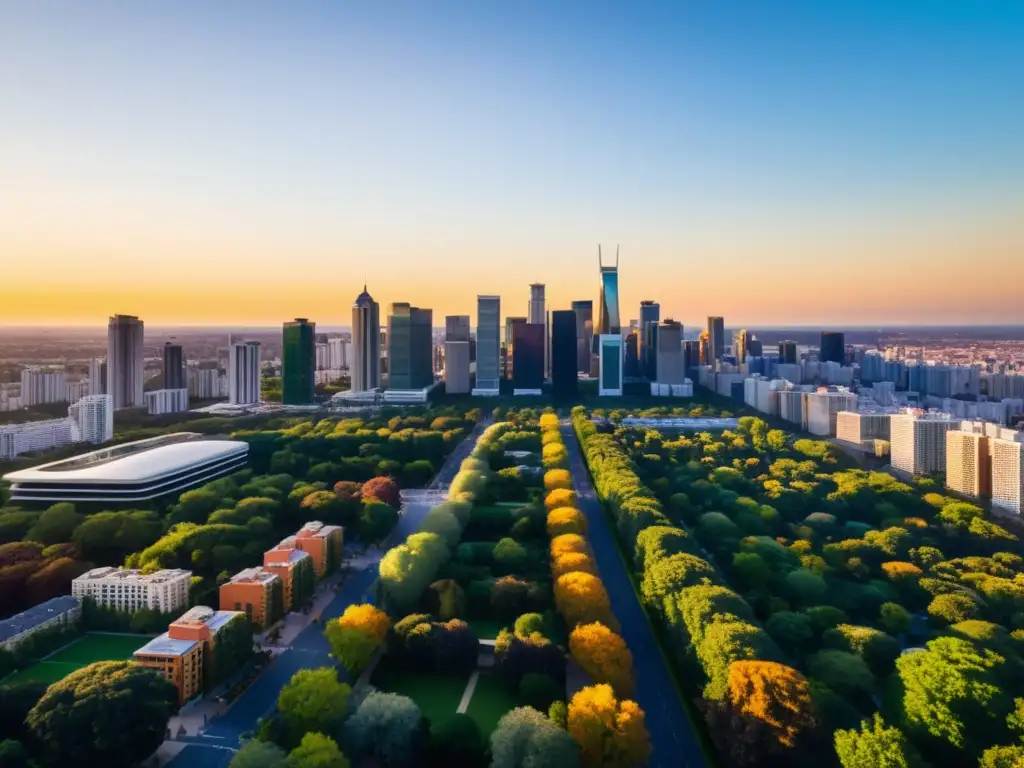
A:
x: 874, y: 147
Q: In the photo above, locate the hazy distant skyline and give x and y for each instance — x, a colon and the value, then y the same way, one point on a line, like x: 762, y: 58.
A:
x: 806, y: 163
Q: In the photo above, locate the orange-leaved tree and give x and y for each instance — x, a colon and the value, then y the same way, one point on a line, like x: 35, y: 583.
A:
x: 604, y: 656
x: 557, y: 478
x: 572, y: 561
x: 568, y: 542
x: 566, y: 520
x: 610, y: 732
x: 560, y: 497
x: 581, y: 599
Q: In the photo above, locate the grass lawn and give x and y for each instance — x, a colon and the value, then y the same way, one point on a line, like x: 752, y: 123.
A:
x: 490, y: 701
x: 486, y: 629
x: 437, y: 696
x: 80, y: 653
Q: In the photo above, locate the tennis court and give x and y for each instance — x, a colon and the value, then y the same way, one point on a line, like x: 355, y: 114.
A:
x: 80, y: 653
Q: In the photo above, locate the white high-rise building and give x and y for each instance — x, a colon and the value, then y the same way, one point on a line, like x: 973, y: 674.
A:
x: 968, y: 463
x: 918, y: 440
x: 1007, y: 475
x: 97, y: 376
x: 244, y: 373
x: 161, y: 401
x: 321, y: 356
x: 824, y: 405
x: 859, y: 428
x: 39, y: 386
x: 204, y: 383
x: 16, y: 439
x: 129, y: 590
x: 94, y: 416
x: 125, y: 361
x: 337, y: 354
x: 76, y: 390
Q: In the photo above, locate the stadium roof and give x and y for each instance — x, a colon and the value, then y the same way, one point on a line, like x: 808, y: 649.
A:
x: 36, y: 615
x: 147, y: 463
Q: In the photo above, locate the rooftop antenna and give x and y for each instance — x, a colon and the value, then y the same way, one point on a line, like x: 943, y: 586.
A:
x: 600, y: 263
x: 616, y: 258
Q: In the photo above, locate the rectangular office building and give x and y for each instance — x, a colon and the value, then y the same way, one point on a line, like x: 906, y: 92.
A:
x: 410, y: 347
x: 488, y: 345
x: 563, y: 353
x: 528, y: 357
x: 610, y: 353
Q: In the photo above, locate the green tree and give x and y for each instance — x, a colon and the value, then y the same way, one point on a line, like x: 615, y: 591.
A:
x: 875, y: 745
x: 386, y: 727
x: 313, y: 700
x: 376, y: 521
x: 895, y: 618
x: 14, y: 755
x: 258, y: 754
x: 457, y: 742
x: 317, y: 751
x: 791, y: 630
x: 952, y: 608
x: 524, y: 738
x: 1002, y: 757
x: 112, y: 713
x: 56, y: 524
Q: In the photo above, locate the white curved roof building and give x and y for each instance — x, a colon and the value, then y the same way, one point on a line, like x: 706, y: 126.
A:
x: 132, y: 472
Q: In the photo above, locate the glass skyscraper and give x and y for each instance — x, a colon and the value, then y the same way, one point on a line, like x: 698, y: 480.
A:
x: 298, y: 362
x: 528, y: 356
x: 488, y: 343
x: 650, y: 314
x: 608, y: 310
x: 410, y: 347
x: 174, y: 367
x: 833, y: 347
x: 584, y: 333
x: 563, y: 353
x: 716, y: 339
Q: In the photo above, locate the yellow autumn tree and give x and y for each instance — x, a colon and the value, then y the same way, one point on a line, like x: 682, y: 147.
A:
x: 604, y: 656
x: 554, y: 455
x: 560, y: 497
x: 557, y: 478
x: 568, y: 542
x: 611, y: 733
x: 897, y: 570
x: 566, y: 520
x: 548, y: 420
x: 581, y: 599
x: 770, y: 704
x: 573, y: 561
x: 357, y: 635
x: 367, y: 618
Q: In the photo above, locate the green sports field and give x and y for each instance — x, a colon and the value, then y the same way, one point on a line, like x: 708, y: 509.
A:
x: 80, y: 653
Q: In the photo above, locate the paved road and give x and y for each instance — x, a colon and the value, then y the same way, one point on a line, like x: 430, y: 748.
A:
x: 675, y: 744
x: 215, y: 748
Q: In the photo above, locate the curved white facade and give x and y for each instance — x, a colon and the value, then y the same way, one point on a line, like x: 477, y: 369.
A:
x: 132, y: 472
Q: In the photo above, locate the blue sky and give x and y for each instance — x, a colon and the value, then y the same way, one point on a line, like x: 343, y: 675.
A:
x: 746, y: 155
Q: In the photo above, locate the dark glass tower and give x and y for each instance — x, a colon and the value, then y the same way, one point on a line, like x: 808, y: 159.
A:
x: 564, y: 353
x: 298, y: 362
x: 410, y: 347
x: 528, y: 355
x: 174, y: 367
x: 584, y: 333
x: 833, y: 346
x: 787, y: 352
x: 716, y: 339
x: 650, y: 314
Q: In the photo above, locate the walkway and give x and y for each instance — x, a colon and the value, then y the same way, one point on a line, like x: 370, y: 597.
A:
x: 310, y: 649
x: 675, y: 743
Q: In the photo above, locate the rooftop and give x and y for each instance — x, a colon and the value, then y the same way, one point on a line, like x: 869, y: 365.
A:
x: 203, y: 615
x: 135, y: 462
x: 255, y: 575
x: 132, y: 574
x: 164, y: 645
x: 36, y: 615
x: 316, y: 529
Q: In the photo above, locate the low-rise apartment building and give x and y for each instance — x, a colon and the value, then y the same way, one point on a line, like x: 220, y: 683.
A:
x: 129, y: 590
x: 256, y: 591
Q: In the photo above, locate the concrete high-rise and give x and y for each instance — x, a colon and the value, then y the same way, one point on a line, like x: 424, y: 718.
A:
x: 94, y: 416
x: 716, y: 339
x: 488, y: 344
x: 244, y: 373
x: 97, y: 376
x: 968, y: 463
x: 410, y: 347
x: 125, y: 361
x: 670, y: 365
x: 918, y: 441
x: 456, y: 354
x: 563, y: 353
x: 608, y: 321
x: 174, y: 367
x: 823, y: 407
x: 650, y: 314
x: 365, y: 343
x: 40, y: 386
x: 298, y: 362
x: 1008, y: 475
x: 833, y: 347
x: 584, y: 334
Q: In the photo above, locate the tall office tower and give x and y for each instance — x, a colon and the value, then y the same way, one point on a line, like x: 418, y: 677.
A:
x: 823, y: 406
x: 244, y: 373
x: 650, y: 314
x: 527, y: 358
x: 537, y: 315
x: 968, y: 463
x: 125, y: 361
x: 754, y: 347
x: 510, y: 336
x: 742, y: 346
x: 39, y: 386
x: 631, y: 359
x: 787, y: 352
x: 410, y: 344
x: 716, y: 338
x: 174, y: 367
x: 704, y: 349
x: 456, y: 354
x: 691, y: 356
x: 918, y: 441
x: 488, y: 344
x: 298, y: 362
x: 564, y: 353
x: 94, y: 416
x: 97, y: 376
x: 833, y: 347
x: 1008, y: 475
x: 610, y: 357
x: 366, y: 343
x: 608, y: 302
x: 584, y: 333
x: 670, y: 365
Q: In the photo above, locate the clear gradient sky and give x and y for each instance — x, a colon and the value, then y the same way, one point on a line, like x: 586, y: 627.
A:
x: 807, y: 162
